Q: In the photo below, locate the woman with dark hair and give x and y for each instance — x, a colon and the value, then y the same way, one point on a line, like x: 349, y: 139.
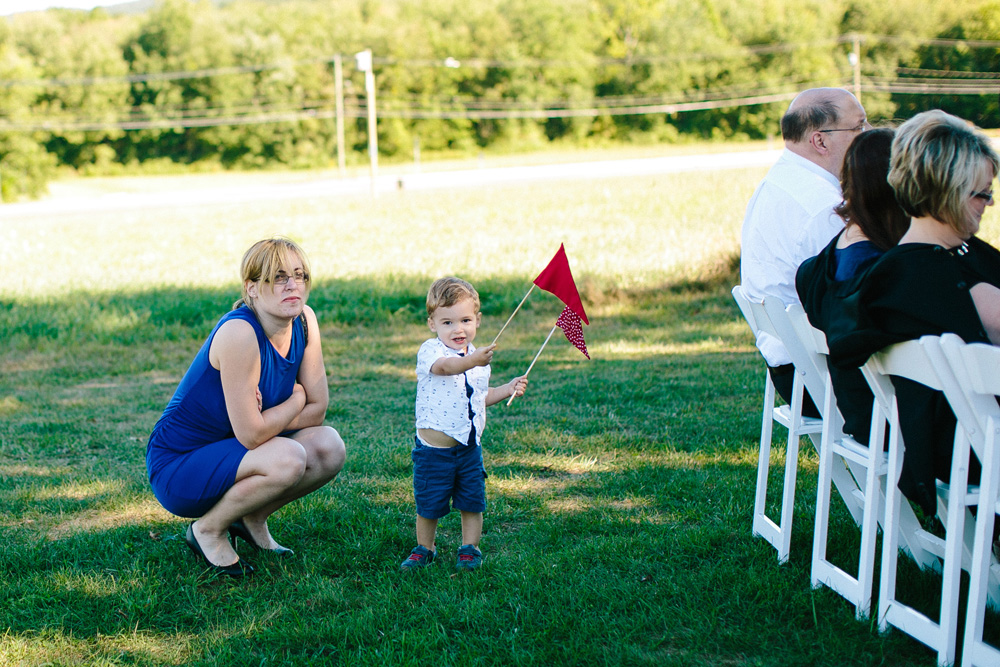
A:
x: 939, y: 279
x: 873, y: 223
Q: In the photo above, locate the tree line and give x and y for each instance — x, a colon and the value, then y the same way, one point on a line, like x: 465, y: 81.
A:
x: 252, y: 83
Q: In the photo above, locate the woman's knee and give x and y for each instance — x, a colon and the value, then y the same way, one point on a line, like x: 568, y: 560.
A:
x: 287, y: 461
x: 331, y: 453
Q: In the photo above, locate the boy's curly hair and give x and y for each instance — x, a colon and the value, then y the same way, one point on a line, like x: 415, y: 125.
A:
x: 446, y: 292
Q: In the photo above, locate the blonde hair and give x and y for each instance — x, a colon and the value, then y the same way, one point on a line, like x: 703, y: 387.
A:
x: 264, y: 260
x: 936, y: 160
x: 446, y: 292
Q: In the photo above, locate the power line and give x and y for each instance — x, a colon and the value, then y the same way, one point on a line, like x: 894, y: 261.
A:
x: 966, y: 43
x: 160, y: 76
x: 454, y: 107
x: 947, y: 74
x: 165, y: 123
x: 931, y: 87
x: 360, y: 112
x: 733, y: 51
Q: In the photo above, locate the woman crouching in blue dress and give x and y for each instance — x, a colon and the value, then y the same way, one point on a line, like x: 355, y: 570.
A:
x: 243, y: 434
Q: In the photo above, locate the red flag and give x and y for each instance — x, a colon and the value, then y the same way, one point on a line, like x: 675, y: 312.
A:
x: 569, y: 322
x: 558, y: 279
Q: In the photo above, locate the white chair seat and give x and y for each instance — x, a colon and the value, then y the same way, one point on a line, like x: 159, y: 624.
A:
x: 806, y: 426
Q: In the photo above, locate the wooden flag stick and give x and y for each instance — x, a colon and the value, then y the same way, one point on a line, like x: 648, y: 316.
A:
x: 511, y: 399
x: 514, y: 313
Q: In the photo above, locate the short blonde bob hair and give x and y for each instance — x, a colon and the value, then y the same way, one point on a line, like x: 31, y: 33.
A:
x: 446, y: 292
x: 264, y: 260
x: 936, y: 160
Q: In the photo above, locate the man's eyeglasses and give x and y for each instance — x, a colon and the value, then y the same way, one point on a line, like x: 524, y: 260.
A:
x: 985, y: 196
x: 859, y: 128
x: 300, y: 277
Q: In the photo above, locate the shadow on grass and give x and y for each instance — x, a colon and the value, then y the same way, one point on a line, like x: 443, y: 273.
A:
x: 180, y: 313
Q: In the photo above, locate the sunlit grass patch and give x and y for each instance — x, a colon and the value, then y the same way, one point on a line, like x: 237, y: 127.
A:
x: 76, y: 490
x: 137, y: 514
x: 10, y: 405
x: 666, y: 227
x: 55, y: 647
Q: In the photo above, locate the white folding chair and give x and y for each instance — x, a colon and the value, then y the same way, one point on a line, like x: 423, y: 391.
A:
x: 806, y: 346
x: 777, y: 533
x: 976, y: 368
x: 913, y: 360
x: 840, y: 452
x: 839, y: 449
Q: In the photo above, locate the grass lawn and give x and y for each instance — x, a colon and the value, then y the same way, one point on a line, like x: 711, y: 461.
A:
x: 620, y: 489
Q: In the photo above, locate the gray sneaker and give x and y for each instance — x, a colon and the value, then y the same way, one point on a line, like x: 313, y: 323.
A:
x: 419, y: 558
x: 469, y: 557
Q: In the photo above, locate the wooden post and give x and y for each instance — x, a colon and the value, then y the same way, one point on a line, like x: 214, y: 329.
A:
x: 364, y: 60
x: 855, y: 60
x: 338, y: 84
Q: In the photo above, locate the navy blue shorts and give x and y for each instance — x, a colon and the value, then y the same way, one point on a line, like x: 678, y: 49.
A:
x: 445, y: 478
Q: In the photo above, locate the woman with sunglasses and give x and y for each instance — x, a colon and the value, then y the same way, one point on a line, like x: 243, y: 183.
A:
x: 939, y: 279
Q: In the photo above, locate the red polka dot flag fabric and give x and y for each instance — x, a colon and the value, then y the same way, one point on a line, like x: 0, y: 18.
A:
x: 569, y: 322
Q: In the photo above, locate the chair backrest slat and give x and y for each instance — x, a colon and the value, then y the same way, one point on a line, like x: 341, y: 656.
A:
x: 976, y: 368
x: 908, y: 360
x: 813, y: 337
x: 744, y: 304
x: 802, y: 350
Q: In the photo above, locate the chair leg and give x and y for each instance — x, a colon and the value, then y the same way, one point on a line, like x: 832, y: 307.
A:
x: 822, y: 525
x: 869, y: 531
x: 836, y: 453
x: 954, y: 543
x: 976, y: 652
x: 761, y: 524
x: 890, y: 530
x: 791, y: 471
x: 788, y: 496
x: 941, y: 635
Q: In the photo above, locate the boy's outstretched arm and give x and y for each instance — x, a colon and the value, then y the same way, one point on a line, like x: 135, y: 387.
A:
x: 458, y: 365
x: 515, y: 387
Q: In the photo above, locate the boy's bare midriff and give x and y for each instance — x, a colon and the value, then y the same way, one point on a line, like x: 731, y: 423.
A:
x: 437, y: 438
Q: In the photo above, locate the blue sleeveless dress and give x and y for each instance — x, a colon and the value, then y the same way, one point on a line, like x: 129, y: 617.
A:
x: 193, y: 455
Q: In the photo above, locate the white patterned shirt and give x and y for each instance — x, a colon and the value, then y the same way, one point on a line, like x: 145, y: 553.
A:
x: 442, y: 400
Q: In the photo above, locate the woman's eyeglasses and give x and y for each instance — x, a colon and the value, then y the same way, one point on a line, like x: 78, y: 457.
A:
x: 300, y: 278
x: 984, y: 196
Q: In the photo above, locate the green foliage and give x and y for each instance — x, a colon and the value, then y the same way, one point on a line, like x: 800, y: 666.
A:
x: 25, y: 167
x: 979, y: 22
x: 452, y: 77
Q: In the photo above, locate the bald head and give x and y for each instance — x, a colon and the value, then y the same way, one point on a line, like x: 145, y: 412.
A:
x: 821, y: 123
x: 815, y: 109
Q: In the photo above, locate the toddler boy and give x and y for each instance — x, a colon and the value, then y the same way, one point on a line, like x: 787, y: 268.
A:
x: 453, y: 392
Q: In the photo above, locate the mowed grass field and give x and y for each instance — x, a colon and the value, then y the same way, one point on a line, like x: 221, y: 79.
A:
x: 620, y: 489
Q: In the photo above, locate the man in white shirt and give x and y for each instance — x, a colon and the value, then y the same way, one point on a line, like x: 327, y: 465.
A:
x: 790, y: 217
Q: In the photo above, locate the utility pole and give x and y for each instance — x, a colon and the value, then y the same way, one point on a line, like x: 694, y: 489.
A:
x: 338, y: 84
x: 364, y: 62
x: 854, y: 57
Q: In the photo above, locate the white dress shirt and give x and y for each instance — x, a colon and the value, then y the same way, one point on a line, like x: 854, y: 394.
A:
x: 789, y: 219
